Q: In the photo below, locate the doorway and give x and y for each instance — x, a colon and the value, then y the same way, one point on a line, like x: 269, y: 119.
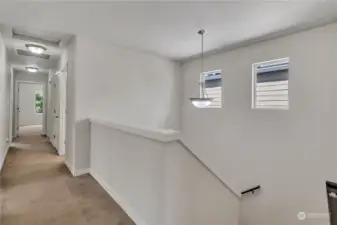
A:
x: 30, y: 107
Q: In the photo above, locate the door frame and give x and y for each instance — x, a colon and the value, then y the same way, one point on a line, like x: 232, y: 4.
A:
x: 11, y: 106
x: 17, y: 102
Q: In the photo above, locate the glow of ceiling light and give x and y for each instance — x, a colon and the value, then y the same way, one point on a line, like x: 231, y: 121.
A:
x: 31, y: 69
x: 36, y: 49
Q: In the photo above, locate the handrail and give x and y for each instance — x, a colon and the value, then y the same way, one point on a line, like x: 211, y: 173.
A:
x: 208, y: 169
x: 253, y: 189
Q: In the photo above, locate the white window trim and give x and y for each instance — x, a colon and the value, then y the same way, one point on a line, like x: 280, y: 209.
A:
x: 41, y: 93
x: 254, y: 67
x: 202, y: 79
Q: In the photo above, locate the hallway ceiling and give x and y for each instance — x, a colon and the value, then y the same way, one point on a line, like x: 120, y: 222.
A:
x: 169, y: 28
x: 19, y: 56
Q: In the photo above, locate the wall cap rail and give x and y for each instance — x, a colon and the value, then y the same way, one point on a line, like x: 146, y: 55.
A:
x: 162, y: 136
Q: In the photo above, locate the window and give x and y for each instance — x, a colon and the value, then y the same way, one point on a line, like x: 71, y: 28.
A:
x: 270, y: 84
x: 213, y: 84
x: 38, y: 102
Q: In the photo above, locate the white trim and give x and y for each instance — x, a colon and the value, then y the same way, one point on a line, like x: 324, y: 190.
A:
x: 4, y: 158
x: 11, y: 105
x: 75, y: 172
x: 82, y: 172
x: 120, y: 201
x: 274, y: 61
x: 70, y: 168
x: 62, y: 98
x: 41, y: 93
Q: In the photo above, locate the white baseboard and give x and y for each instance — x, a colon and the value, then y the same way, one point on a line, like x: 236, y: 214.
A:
x: 6, y: 151
x: 82, y: 172
x: 75, y: 172
x: 121, y: 202
x: 5, y: 155
x: 70, y: 167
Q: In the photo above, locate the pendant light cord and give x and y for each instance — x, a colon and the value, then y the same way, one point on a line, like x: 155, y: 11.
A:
x: 202, y: 50
x: 202, y: 83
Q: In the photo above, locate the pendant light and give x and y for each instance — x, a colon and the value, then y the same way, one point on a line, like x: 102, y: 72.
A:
x: 203, y: 101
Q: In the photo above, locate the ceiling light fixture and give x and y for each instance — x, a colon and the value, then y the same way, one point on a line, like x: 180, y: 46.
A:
x: 31, y: 69
x: 37, y: 49
x: 203, y: 101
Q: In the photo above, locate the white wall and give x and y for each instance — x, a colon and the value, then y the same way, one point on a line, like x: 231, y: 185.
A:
x: 27, y: 114
x: 133, y: 168
x: 82, y: 150
x: 69, y: 57
x: 4, y: 102
x: 156, y: 181
x: 289, y: 153
x: 194, y: 196
x: 119, y: 84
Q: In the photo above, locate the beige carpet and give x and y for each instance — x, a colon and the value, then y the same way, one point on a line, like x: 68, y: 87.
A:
x: 37, y: 189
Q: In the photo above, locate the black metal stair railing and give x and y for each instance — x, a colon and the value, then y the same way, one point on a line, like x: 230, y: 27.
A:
x: 252, y: 190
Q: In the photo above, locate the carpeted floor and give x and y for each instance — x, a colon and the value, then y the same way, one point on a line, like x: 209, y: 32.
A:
x: 37, y: 189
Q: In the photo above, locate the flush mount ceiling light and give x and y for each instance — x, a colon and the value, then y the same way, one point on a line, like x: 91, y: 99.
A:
x: 37, y: 49
x: 203, y: 101
x: 31, y: 69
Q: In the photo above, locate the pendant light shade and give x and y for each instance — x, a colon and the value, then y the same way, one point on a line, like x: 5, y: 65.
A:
x: 203, y: 101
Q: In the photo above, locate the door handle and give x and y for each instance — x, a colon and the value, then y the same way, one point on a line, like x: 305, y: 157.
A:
x: 56, y: 116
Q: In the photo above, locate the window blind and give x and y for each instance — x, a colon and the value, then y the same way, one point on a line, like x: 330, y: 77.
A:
x: 271, y: 87
x: 213, y: 88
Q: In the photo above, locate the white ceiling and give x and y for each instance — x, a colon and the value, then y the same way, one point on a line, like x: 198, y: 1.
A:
x: 54, y: 43
x: 169, y: 28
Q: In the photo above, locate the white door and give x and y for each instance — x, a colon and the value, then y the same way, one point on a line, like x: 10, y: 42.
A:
x: 62, y: 87
x: 30, y: 104
x: 58, y: 95
x: 55, y: 111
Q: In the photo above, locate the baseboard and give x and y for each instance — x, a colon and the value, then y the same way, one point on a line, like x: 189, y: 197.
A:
x: 5, y: 155
x: 75, y: 172
x: 70, y: 167
x: 81, y: 172
x: 120, y: 201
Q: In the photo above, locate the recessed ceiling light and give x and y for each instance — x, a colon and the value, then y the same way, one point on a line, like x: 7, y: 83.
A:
x: 31, y: 69
x: 37, y: 49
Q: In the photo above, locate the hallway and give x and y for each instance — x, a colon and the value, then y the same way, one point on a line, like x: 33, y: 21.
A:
x: 36, y: 188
